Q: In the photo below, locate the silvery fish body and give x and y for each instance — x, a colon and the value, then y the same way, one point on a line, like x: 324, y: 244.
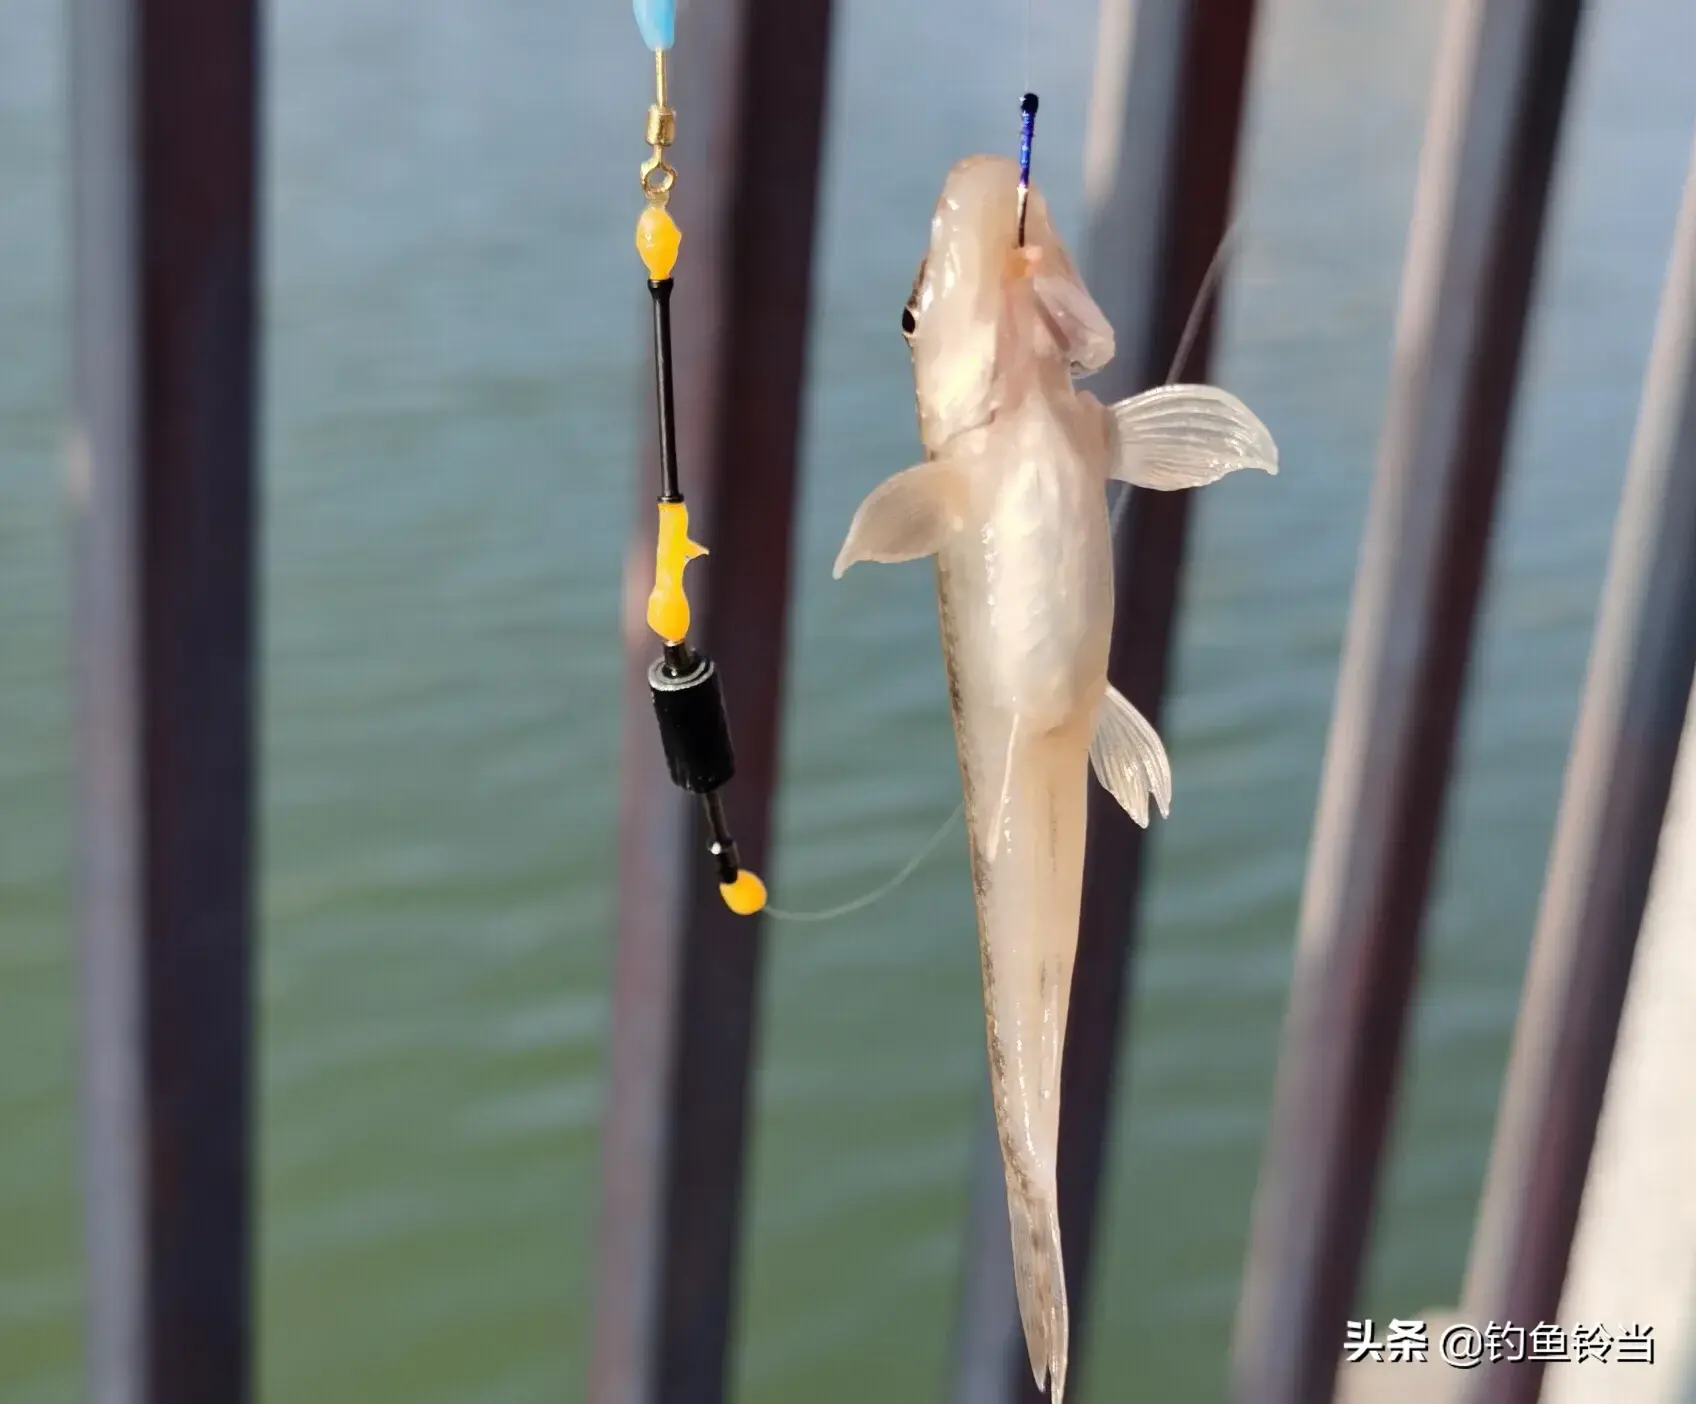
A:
x: 1011, y: 501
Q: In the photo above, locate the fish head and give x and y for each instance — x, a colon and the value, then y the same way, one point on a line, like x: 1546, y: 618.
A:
x: 988, y: 317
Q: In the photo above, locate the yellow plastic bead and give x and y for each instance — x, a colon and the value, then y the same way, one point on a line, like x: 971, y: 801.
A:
x: 668, y: 606
x: 745, y: 896
x: 657, y: 240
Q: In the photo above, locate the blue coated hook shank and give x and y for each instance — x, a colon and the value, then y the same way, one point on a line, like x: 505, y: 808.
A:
x: 657, y: 19
x: 1027, y: 130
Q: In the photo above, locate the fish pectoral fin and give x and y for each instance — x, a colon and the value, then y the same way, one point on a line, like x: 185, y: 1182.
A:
x: 1128, y: 759
x: 1183, y: 436
x: 907, y: 516
x: 1081, y: 329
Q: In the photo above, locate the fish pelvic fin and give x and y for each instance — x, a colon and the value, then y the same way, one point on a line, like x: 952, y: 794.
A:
x: 1080, y: 329
x: 907, y: 517
x: 1039, y: 1275
x: 1128, y: 758
x: 1184, y: 436
x: 1004, y: 803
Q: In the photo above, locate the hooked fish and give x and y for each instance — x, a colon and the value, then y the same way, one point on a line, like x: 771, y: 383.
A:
x: 1011, y: 501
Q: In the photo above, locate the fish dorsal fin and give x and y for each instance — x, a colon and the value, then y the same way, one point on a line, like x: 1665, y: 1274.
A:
x: 907, y: 516
x: 1128, y: 759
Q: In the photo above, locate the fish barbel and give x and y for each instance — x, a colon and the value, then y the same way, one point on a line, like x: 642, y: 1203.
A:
x: 1011, y: 500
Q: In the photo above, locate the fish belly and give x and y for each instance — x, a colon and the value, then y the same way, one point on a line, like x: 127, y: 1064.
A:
x: 1047, y: 573
x: 1027, y: 888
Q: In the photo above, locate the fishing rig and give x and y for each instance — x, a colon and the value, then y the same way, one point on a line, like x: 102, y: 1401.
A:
x: 688, y: 697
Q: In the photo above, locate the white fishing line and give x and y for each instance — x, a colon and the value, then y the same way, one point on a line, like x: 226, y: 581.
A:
x: 1186, y: 344
x: 1030, y: 31
x: 877, y: 893
x: 1204, y: 295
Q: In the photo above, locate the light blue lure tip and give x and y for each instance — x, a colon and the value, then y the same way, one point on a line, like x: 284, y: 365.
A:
x: 657, y: 19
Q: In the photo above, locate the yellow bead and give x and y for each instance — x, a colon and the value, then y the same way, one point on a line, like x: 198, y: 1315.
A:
x: 657, y: 240
x: 668, y: 606
x: 745, y: 896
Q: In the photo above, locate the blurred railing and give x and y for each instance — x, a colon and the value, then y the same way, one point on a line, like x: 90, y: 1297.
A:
x: 165, y: 155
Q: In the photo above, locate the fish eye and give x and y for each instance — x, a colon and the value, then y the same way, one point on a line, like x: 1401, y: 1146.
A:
x: 910, y: 313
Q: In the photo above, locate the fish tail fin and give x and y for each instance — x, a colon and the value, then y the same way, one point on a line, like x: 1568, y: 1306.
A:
x: 1039, y: 1274
x: 1030, y: 902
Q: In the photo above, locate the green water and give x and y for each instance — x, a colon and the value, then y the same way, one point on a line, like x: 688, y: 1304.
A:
x: 452, y: 400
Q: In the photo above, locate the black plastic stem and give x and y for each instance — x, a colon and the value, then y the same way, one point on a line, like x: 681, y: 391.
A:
x: 723, y: 847
x: 679, y: 659
x: 661, y: 293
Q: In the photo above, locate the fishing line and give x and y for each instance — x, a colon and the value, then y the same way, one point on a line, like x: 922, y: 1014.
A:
x: 1030, y: 24
x: 1186, y: 344
x: 878, y: 893
x: 1209, y: 280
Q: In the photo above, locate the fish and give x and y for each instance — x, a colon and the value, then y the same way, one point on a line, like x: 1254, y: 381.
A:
x: 1010, y: 500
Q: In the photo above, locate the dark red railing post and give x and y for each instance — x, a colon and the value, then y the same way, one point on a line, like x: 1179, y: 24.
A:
x: 164, y: 263
x: 1617, y: 783
x: 1472, y: 257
